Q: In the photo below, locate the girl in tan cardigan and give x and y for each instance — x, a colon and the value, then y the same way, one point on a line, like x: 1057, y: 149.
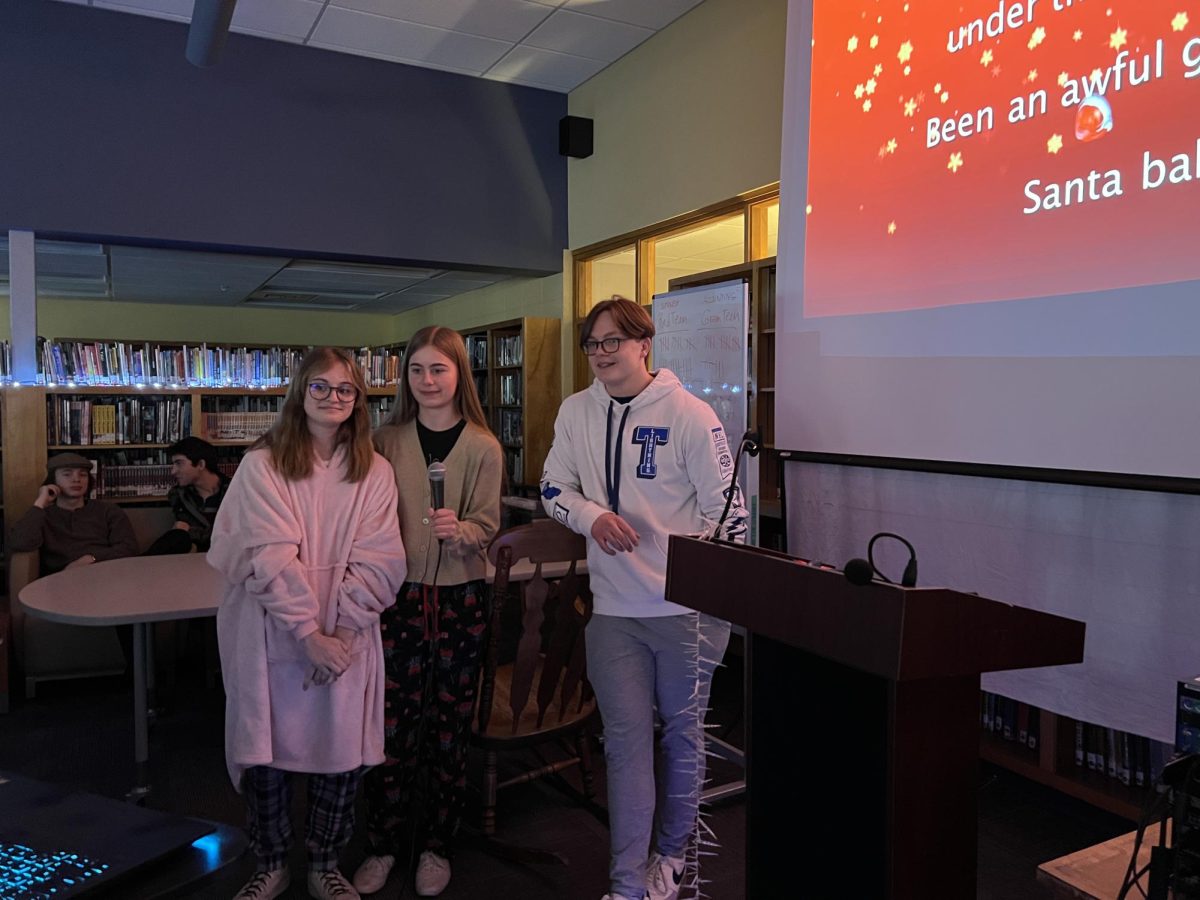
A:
x: 433, y: 636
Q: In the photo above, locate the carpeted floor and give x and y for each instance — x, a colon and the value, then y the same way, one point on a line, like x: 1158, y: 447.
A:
x: 78, y: 734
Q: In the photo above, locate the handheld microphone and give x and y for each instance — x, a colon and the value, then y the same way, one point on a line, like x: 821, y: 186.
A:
x: 862, y: 571
x: 437, y: 484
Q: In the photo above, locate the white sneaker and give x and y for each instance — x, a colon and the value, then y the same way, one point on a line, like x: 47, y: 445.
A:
x: 265, y: 885
x: 433, y: 874
x: 664, y: 876
x: 331, y: 885
x: 372, y: 875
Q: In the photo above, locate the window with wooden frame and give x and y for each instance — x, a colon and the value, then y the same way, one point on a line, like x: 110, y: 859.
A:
x: 640, y: 264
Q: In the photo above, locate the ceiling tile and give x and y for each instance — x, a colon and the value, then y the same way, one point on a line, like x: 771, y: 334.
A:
x: 505, y: 20
x: 544, y: 68
x: 287, y: 18
x: 176, y: 10
x: 269, y: 35
x: 143, y: 274
x: 657, y: 14
x: 580, y: 35
x: 345, y: 29
x: 397, y: 303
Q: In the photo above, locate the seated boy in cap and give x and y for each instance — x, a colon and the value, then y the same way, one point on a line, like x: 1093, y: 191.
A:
x: 68, y: 528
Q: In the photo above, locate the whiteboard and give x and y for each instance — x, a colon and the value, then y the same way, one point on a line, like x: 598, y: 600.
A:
x: 700, y: 335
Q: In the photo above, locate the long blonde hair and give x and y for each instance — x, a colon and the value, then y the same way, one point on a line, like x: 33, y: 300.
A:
x: 450, y: 344
x: 289, y: 439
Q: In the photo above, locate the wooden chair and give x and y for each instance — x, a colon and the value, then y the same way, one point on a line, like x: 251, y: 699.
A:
x: 533, y: 684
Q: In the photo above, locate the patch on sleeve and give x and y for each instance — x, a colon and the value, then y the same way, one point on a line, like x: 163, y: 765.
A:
x: 549, y: 491
x: 721, y: 451
x: 561, y: 513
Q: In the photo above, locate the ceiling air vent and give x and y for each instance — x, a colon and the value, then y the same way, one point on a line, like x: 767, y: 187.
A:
x: 297, y: 300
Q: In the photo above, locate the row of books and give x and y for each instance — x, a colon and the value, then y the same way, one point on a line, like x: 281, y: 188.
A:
x: 514, y: 466
x: 381, y: 366
x: 124, y: 363
x: 477, y: 350
x: 115, y: 482
x: 510, y: 389
x: 150, y: 477
x: 118, y: 420
x: 509, y: 350
x: 271, y: 403
x: 1010, y: 719
x: 510, y: 427
x: 380, y: 408
x: 1129, y: 758
x: 238, y: 426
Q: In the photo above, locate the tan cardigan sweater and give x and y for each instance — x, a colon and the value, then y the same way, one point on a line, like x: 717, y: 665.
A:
x: 474, y: 470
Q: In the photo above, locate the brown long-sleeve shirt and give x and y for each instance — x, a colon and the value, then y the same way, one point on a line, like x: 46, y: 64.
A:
x: 63, y: 535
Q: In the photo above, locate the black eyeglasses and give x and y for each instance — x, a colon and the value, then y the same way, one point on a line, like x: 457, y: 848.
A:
x: 610, y: 345
x: 319, y: 390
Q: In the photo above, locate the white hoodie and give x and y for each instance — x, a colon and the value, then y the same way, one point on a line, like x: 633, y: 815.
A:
x: 667, y: 466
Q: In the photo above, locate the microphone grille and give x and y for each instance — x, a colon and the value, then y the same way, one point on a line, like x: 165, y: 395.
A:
x: 858, y: 571
x: 437, y: 471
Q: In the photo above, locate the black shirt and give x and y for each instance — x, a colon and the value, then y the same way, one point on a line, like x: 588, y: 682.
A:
x: 438, y: 444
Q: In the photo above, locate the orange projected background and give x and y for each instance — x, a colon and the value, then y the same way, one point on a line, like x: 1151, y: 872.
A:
x: 1027, y: 200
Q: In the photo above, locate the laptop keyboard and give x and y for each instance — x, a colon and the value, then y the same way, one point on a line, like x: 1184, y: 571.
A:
x: 28, y: 874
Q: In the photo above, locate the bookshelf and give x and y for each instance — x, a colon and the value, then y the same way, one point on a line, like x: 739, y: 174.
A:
x: 760, y: 276
x: 515, y: 365
x: 131, y: 453
x: 124, y: 403
x: 1089, y: 762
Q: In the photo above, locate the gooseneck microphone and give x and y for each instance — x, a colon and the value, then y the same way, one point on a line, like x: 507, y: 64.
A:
x: 437, y: 484
x: 858, y: 571
x: 863, y: 571
x: 749, y: 444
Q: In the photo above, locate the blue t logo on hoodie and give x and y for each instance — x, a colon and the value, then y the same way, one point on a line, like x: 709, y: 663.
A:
x: 649, y: 436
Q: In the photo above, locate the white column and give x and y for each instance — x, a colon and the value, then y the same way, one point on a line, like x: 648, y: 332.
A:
x: 22, y: 305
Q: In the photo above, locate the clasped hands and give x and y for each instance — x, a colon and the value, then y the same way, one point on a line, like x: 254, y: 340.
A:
x: 329, y: 655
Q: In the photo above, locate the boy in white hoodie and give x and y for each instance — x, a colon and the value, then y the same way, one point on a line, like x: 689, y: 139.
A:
x: 635, y: 459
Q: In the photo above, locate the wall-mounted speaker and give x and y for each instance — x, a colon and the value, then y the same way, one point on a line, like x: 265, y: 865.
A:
x: 575, y: 137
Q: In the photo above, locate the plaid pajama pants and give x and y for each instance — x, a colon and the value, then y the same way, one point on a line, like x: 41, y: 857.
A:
x: 268, y: 794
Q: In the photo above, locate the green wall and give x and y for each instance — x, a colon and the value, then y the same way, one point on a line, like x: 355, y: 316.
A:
x: 103, y: 319
x: 510, y: 299
x: 691, y: 117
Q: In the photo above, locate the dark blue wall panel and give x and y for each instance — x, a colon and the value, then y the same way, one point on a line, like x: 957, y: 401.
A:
x: 107, y: 131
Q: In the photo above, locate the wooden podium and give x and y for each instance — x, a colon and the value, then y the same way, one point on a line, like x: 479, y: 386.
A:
x: 862, y: 710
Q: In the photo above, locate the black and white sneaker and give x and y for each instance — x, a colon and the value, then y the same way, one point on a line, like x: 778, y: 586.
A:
x: 664, y: 876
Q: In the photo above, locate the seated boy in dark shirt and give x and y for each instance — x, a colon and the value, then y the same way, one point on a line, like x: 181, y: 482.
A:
x: 196, y: 497
x: 68, y: 528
